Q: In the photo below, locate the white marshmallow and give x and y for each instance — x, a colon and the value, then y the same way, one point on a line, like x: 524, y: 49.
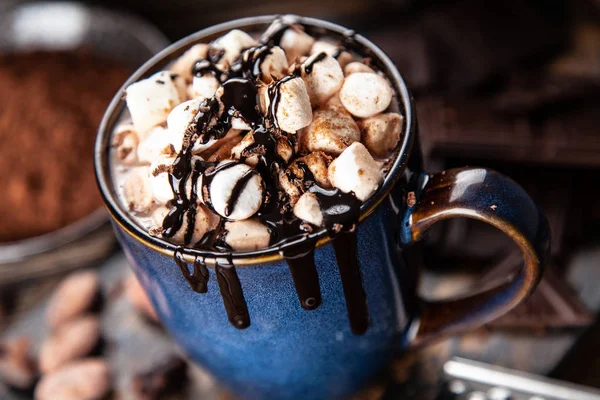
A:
x: 232, y: 43
x: 157, y: 144
x: 150, y: 100
x: 317, y: 163
x: 294, y: 111
x: 356, y: 171
x: 137, y: 190
x: 275, y: 64
x: 381, y: 133
x: 185, y: 63
x: 296, y: 43
x: 179, y: 120
x: 181, y: 86
x: 331, y: 131
x: 324, y: 46
x: 204, y: 87
x: 331, y: 48
x: 126, y: 141
x: 324, y: 80
x: 250, y: 198
x: 247, y: 235
x: 204, y: 222
x: 308, y: 209
x: 159, y: 180
x: 356, y: 66
x: 365, y: 94
x: 240, y: 124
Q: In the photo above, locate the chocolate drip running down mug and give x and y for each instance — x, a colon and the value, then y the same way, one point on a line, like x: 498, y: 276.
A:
x: 294, y: 351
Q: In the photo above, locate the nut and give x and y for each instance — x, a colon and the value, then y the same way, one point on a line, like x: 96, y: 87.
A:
x: 17, y: 370
x: 88, y: 379
x: 74, y: 296
x: 71, y: 341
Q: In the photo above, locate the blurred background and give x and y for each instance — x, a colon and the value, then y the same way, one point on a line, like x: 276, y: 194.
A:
x: 511, y: 85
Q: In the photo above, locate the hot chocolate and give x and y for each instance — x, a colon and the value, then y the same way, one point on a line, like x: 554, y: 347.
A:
x: 256, y: 141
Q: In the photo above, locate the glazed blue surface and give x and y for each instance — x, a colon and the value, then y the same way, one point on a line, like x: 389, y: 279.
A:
x: 287, y: 352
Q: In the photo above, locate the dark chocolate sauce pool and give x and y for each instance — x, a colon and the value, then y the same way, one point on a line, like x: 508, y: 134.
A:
x: 340, y: 210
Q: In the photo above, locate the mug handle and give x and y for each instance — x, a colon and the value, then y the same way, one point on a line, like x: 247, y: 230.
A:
x: 491, y: 197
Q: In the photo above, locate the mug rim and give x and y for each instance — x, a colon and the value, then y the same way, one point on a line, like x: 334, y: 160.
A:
x: 272, y: 253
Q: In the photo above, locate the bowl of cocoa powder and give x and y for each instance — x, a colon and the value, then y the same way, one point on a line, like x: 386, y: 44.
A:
x: 60, y: 66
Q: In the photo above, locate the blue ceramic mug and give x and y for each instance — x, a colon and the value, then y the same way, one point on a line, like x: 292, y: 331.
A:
x: 288, y: 351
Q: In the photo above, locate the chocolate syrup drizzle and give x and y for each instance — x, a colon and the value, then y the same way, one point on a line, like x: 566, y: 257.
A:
x: 293, y: 238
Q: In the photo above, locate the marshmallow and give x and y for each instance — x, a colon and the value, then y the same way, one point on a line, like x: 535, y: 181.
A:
x: 150, y: 100
x: 381, y: 133
x: 323, y: 77
x: 263, y: 97
x: 204, y: 221
x: 181, y: 86
x: 125, y: 140
x: 331, y: 131
x: 184, y: 65
x: 365, y: 94
x: 240, y: 124
x: 275, y: 64
x: 179, y: 120
x: 247, y: 235
x: 296, y: 43
x: 356, y: 171
x: 293, y: 180
x: 157, y: 144
x: 247, y: 201
x: 137, y: 190
x: 232, y: 44
x: 204, y: 87
x: 286, y: 184
x: 356, y: 66
x: 283, y: 149
x: 308, y: 209
x: 294, y: 111
x: 159, y: 180
x: 326, y: 46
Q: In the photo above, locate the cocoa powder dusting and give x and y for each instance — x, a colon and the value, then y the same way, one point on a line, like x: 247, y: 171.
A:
x: 51, y: 103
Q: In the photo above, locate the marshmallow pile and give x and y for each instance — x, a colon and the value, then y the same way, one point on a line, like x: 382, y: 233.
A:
x: 259, y: 121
